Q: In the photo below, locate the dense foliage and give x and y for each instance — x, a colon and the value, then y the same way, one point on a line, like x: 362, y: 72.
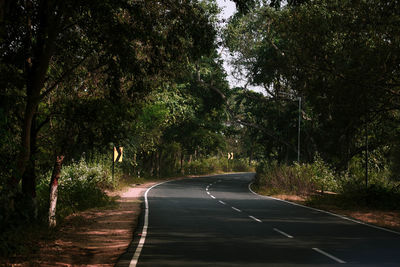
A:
x: 80, y: 77
x: 341, y: 58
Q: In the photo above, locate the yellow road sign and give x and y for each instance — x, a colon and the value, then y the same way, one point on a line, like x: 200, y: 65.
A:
x: 118, y: 152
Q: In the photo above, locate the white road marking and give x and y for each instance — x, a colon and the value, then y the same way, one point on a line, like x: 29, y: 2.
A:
x: 208, y: 192
x: 326, y: 212
x: 254, y: 218
x: 142, y: 240
x: 223, y: 203
x: 139, y: 248
x: 328, y: 255
x: 212, y: 196
x: 238, y: 210
x: 283, y: 233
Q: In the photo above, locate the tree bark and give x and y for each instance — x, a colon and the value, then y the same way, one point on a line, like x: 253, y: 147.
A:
x: 251, y: 156
x: 182, y: 157
x: 134, y: 165
x: 55, y: 176
x: 36, y: 66
x: 157, y: 163
x: 29, y: 176
x: 152, y: 164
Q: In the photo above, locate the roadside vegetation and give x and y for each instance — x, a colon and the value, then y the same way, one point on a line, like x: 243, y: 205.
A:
x: 317, y: 185
x: 79, y: 78
x: 325, y: 130
x: 86, y: 185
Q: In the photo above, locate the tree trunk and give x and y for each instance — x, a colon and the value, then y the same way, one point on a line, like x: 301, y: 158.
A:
x: 174, y: 161
x: 36, y: 67
x: 157, y: 163
x: 134, y: 165
x: 55, y: 176
x: 152, y: 164
x: 160, y: 154
x: 251, y: 156
x: 29, y: 175
x: 182, y: 157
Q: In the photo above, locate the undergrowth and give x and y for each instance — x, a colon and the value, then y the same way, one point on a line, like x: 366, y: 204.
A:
x: 217, y: 165
x: 84, y: 185
x: 322, y: 187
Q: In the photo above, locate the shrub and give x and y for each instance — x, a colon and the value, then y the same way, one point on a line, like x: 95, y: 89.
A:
x: 300, y: 179
x: 381, y: 192
x: 81, y: 186
x: 242, y: 165
x: 204, y: 166
x: 215, y: 165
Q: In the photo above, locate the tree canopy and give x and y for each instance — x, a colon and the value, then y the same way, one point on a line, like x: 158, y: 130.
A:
x: 340, y: 57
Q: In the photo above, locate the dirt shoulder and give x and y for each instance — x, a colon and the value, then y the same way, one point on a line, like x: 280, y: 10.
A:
x: 96, y: 237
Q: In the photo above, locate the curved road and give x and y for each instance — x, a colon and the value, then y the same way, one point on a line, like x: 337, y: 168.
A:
x: 218, y: 221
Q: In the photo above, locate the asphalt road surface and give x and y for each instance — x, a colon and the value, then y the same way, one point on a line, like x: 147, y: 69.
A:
x: 218, y: 221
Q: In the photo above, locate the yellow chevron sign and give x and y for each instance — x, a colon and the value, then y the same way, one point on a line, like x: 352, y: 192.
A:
x: 118, y: 152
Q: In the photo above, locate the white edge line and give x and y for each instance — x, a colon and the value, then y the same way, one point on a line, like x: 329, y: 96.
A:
x: 139, y: 247
x: 238, y: 210
x: 212, y: 196
x: 326, y: 212
x: 328, y: 255
x: 254, y: 218
x: 283, y: 233
x: 223, y: 203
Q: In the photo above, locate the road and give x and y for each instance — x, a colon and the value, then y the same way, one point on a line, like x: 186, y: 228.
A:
x: 218, y: 221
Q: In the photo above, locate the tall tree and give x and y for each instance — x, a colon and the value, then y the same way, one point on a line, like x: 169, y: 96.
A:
x: 45, y: 42
x: 334, y: 54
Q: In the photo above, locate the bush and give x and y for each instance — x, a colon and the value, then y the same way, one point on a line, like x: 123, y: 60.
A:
x: 81, y: 186
x: 381, y: 192
x: 204, y: 166
x: 215, y: 165
x: 300, y: 179
x: 242, y: 165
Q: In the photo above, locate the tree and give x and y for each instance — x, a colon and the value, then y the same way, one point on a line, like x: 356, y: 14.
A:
x: 137, y: 43
x: 334, y: 54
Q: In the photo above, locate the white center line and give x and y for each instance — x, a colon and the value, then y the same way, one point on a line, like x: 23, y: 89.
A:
x: 254, y: 218
x: 283, y: 233
x: 212, y: 196
x: 223, y: 203
x: 328, y: 255
x: 208, y: 192
x: 238, y: 210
